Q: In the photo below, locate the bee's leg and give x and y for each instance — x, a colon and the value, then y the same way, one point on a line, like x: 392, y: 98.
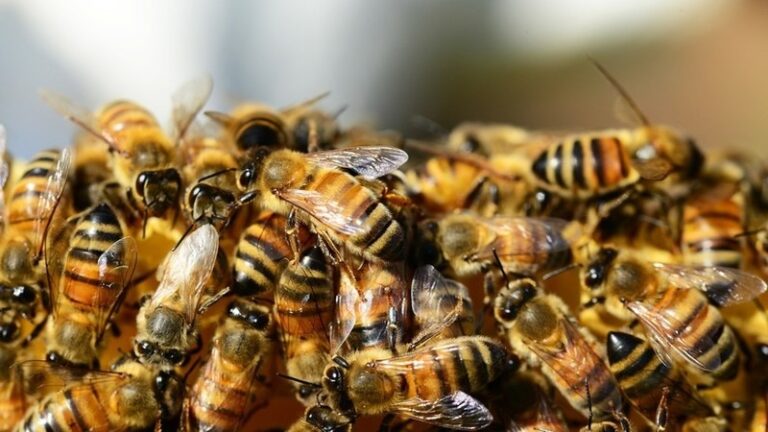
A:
x: 589, y: 404
x: 662, y: 410
x: 292, y: 231
x: 35, y: 332
x: 392, y: 329
x: 386, y: 423
x: 489, y: 290
x: 114, y: 328
x: 330, y: 249
x: 313, y: 142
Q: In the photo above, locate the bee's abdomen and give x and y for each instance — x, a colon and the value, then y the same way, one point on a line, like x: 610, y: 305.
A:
x: 260, y: 258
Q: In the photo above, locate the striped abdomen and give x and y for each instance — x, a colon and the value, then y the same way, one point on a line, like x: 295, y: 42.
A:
x: 27, y: 205
x: 304, y: 301
x: 381, y: 236
x: 75, y: 409
x: 644, y: 378
x: 261, y: 255
x: 584, y: 166
x: 700, y: 330
x: 122, y: 116
x: 709, y: 235
x: 82, y: 285
x: 378, y: 321
x: 465, y: 364
x: 446, y: 185
x: 452, y: 298
x: 530, y: 247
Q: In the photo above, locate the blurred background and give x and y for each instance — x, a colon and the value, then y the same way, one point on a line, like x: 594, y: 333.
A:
x: 699, y: 65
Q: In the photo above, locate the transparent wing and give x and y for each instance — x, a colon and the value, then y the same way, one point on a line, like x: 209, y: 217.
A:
x: 437, y: 302
x: 187, y: 269
x: 666, y: 327
x: 116, y: 266
x: 187, y: 103
x: 328, y: 212
x: 655, y: 169
x: 49, y: 199
x: 306, y: 103
x: 525, y: 237
x: 41, y: 376
x: 573, y: 360
x: 54, y: 252
x: 723, y: 286
x: 347, y: 301
x: 369, y: 162
x: 458, y: 411
x: 80, y: 116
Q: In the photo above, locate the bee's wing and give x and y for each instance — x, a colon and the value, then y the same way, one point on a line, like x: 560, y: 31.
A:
x: 116, y: 266
x: 347, y: 301
x: 80, y: 116
x: 433, y: 295
x: 653, y: 169
x: 306, y: 103
x: 458, y: 411
x: 573, y: 362
x: 188, y: 100
x: 328, y: 212
x: 41, y: 376
x: 723, y: 286
x: 54, y: 253
x: 187, y: 269
x: 532, y: 237
x: 663, y: 326
x: 369, y: 162
x: 49, y: 199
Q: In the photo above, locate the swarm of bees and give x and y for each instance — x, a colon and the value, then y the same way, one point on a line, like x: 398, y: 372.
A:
x: 503, y: 279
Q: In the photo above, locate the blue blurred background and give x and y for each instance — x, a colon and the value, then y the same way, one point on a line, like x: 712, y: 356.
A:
x: 700, y: 65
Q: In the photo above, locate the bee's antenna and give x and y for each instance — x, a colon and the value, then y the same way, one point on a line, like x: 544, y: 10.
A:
x: 622, y: 91
x: 298, y: 380
x: 501, y: 266
x: 215, y: 174
x: 341, y: 362
x: 750, y: 232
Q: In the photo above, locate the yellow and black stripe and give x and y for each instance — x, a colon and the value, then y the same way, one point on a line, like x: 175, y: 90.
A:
x: 381, y: 292
x: 542, y: 248
x: 382, y: 237
x: 464, y: 364
x: 710, y: 229
x: 74, y: 409
x: 702, y: 330
x: 261, y: 256
x: 121, y: 117
x: 585, y: 166
x: 24, y: 210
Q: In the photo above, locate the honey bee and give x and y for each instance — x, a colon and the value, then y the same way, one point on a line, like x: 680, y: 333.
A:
x: 540, y: 327
x: 429, y: 384
x: 29, y: 214
x: 144, y: 156
x: 336, y: 205
x: 321, y: 418
x: 253, y: 125
x: 232, y: 382
x: 127, y: 398
x: 434, y: 298
x: 588, y: 165
x: 261, y: 256
x: 519, y: 400
x: 209, y: 170
x: 469, y: 244
x: 370, y: 308
x: 166, y: 324
x: 88, y: 278
x: 677, y: 306
x: 304, y: 301
x: 658, y: 391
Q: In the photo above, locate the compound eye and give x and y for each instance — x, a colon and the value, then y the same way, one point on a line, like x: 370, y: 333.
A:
x: 145, y: 348
x: 174, y: 356
x: 333, y: 375
x: 258, y: 320
x: 24, y: 294
x: 141, y: 180
x: 9, y: 332
x: 306, y: 391
x: 594, y: 277
x: 471, y: 144
x: 246, y: 178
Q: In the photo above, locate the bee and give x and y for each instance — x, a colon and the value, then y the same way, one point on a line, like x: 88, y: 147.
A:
x: 262, y: 254
x: 468, y: 244
x: 658, y: 391
x: 434, y: 298
x: 304, y: 301
x: 144, y: 156
x: 336, y: 205
x: 429, y: 384
x: 597, y: 164
x: 166, y: 324
x: 540, y: 327
x: 232, y: 382
x: 89, y: 273
x: 253, y: 125
x: 13, y: 398
x: 29, y: 215
x: 677, y: 305
x: 209, y: 170
x: 321, y: 418
x: 128, y: 398
x: 519, y: 400
x: 370, y: 308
